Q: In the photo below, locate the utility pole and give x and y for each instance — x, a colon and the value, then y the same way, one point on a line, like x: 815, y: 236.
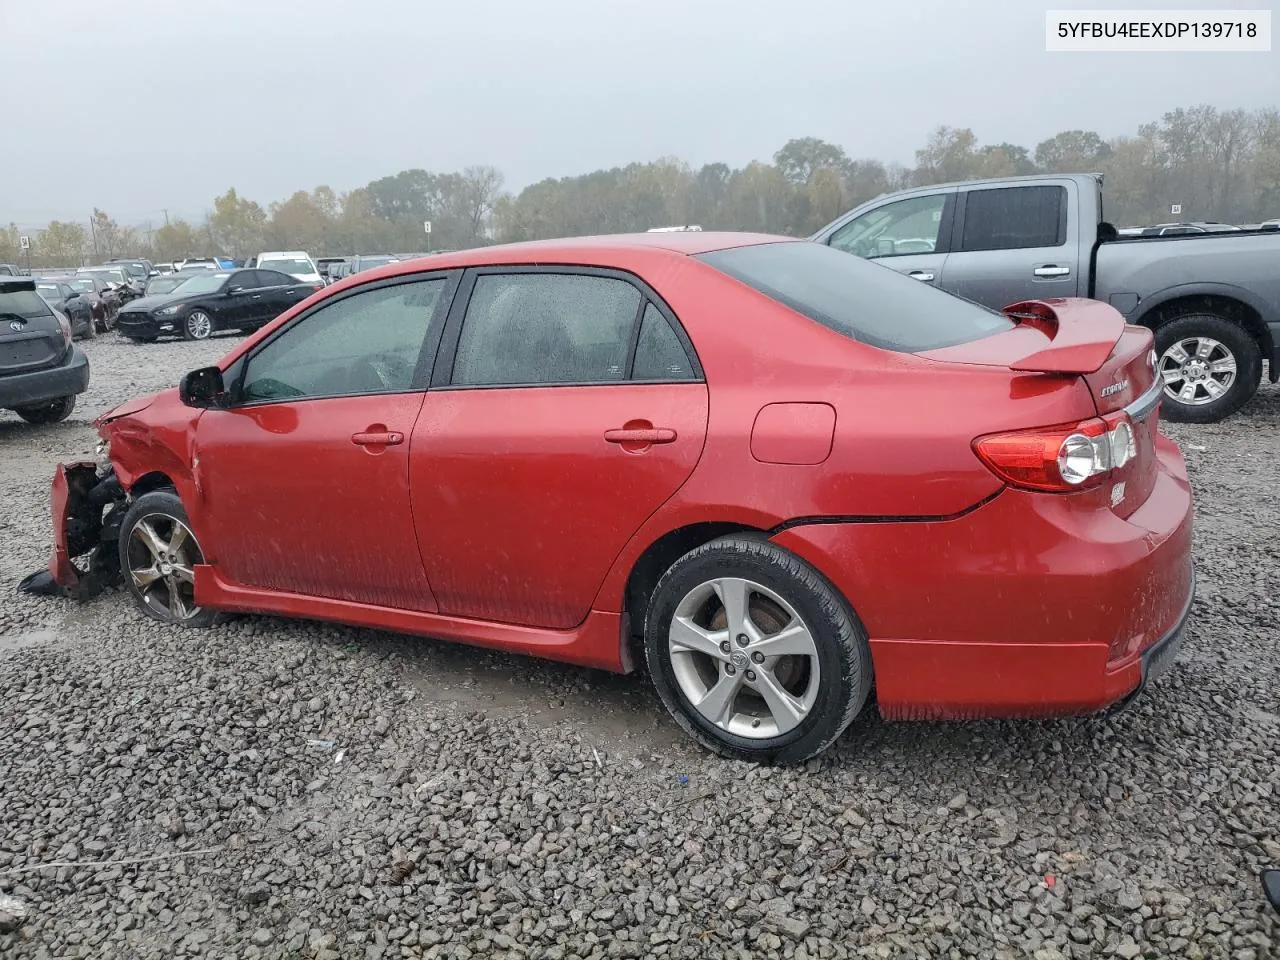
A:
x: 93, y: 233
x: 166, y: 216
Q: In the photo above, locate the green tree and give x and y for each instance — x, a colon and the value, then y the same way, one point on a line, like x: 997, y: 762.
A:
x: 800, y: 159
x: 176, y: 241
x: 106, y: 235
x: 1072, y: 151
x: 60, y: 244
x: 236, y: 225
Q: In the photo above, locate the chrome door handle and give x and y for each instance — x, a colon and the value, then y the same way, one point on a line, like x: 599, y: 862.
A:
x: 1052, y: 271
x: 924, y: 276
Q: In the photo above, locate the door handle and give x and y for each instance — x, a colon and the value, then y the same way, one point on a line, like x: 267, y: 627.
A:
x: 256, y: 296
x: 924, y: 276
x: 1051, y: 270
x: 640, y: 435
x: 383, y: 438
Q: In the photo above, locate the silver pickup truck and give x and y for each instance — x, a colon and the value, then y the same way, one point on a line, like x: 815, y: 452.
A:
x: 1212, y: 299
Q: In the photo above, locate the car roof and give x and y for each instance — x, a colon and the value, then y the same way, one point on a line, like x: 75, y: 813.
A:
x: 582, y: 250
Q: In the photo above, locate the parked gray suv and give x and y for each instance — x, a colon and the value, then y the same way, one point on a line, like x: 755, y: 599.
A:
x: 41, y: 370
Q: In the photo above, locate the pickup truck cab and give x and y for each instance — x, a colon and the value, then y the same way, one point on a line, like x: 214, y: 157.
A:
x: 1211, y: 299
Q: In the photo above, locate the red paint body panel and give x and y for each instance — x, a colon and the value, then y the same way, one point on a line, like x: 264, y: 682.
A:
x: 508, y: 518
x: 64, y: 572
x: 290, y: 503
x: 1019, y: 608
x: 795, y: 433
x: 521, y: 504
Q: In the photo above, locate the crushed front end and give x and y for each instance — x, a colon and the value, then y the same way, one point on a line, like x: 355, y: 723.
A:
x: 87, y: 504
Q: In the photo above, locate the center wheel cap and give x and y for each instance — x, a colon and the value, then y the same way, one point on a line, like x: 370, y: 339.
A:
x: 166, y: 569
x: 738, y: 658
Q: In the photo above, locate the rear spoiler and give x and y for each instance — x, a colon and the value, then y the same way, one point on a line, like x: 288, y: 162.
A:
x: 1082, y: 333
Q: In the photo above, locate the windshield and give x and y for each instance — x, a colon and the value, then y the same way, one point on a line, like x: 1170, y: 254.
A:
x: 203, y: 283
x: 291, y: 265
x: 858, y: 298
x: 135, y: 269
x: 83, y: 284
x: 165, y: 284
x: 112, y: 274
x: 23, y: 303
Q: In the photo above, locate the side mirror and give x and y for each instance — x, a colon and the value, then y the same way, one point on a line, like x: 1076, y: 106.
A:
x: 202, y: 388
x: 236, y: 289
x: 1271, y: 887
x: 75, y: 295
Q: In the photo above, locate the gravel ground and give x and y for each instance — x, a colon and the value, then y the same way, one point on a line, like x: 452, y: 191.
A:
x: 282, y: 789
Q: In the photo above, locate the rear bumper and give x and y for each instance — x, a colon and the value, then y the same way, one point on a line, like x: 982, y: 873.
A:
x: 69, y: 378
x: 1026, y: 607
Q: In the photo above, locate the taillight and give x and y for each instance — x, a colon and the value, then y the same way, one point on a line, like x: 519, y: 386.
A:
x: 1063, y: 458
x: 65, y: 326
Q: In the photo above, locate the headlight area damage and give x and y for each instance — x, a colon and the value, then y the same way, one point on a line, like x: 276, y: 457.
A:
x: 88, y: 504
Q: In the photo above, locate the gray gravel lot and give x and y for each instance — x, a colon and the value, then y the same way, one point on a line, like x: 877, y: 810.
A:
x: 282, y: 789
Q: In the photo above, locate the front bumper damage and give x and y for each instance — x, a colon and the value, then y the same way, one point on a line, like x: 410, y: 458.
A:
x: 87, y: 504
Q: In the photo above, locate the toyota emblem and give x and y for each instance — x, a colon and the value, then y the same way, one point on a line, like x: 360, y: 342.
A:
x: 15, y: 324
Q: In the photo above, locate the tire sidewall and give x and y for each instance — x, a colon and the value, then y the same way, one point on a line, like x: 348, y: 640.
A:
x: 47, y: 413
x: 1236, y: 339
x: 841, y: 643
x: 186, y: 325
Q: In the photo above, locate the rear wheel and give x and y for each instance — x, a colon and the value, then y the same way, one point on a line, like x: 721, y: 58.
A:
x: 198, y: 326
x: 158, y: 556
x: 1210, y: 367
x: 754, y: 653
x: 54, y: 411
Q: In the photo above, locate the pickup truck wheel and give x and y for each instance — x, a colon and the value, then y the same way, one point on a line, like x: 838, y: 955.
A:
x: 54, y: 411
x: 1210, y: 367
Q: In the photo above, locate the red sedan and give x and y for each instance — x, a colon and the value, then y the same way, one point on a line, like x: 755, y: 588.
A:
x: 771, y: 472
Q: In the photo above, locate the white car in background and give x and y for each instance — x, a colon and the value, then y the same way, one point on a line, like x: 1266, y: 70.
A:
x: 296, y: 263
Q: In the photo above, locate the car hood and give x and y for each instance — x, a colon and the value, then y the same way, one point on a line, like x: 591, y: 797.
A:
x: 136, y: 405
x: 146, y: 304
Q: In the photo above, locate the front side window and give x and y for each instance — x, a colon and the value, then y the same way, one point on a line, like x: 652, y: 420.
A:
x: 534, y: 328
x: 895, y: 230
x: 365, y: 343
x: 1015, y: 218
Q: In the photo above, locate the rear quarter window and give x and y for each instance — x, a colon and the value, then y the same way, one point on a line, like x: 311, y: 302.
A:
x: 861, y: 299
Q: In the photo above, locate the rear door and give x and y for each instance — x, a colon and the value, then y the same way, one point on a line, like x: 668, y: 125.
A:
x: 911, y: 235
x: 566, y: 407
x: 1014, y: 242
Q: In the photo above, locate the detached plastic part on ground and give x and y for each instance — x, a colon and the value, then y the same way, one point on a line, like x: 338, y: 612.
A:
x: 85, y: 559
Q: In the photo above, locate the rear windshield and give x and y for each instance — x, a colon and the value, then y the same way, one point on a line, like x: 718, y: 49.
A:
x: 291, y: 265
x: 861, y: 299
x: 21, y: 303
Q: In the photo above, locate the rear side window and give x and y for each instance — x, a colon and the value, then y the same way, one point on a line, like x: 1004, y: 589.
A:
x: 659, y: 353
x: 1015, y: 218
x: 546, y: 328
x: 858, y: 298
x: 25, y: 304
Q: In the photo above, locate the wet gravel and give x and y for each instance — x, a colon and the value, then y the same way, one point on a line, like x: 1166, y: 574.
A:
x: 280, y: 789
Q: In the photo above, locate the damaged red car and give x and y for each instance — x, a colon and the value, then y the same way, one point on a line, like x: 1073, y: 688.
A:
x: 775, y: 475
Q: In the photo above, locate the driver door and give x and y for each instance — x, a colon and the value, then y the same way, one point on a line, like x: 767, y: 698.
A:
x: 305, y: 478
x: 911, y: 236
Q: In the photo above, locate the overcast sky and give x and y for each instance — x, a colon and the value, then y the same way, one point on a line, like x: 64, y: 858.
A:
x: 140, y: 106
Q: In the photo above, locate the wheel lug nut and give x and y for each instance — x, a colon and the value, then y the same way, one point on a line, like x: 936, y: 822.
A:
x: 743, y: 639
x: 758, y: 657
x: 751, y: 675
x: 755, y: 722
x: 724, y: 646
x: 730, y: 669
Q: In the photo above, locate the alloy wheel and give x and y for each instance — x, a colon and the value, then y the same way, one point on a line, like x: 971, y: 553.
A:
x: 162, y: 554
x: 199, y: 326
x: 744, y: 658
x: 1197, y: 370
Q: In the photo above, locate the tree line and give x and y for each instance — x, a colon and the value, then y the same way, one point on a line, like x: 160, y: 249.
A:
x: 1218, y: 164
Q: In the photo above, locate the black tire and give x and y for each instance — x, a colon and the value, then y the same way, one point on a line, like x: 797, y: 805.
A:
x: 90, y: 328
x: 160, y: 509
x: 842, y: 655
x: 197, y: 325
x: 1234, y: 340
x: 55, y: 411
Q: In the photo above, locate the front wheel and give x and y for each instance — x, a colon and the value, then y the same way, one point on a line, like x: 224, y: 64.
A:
x: 55, y: 411
x: 158, y: 556
x: 1209, y: 365
x: 754, y: 653
x: 198, y: 326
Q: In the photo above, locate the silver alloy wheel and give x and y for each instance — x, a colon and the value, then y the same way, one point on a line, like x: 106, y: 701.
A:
x: 1197, y: 370
x: 162, y: 555
x: 744, y: 658
x: 199, y: 325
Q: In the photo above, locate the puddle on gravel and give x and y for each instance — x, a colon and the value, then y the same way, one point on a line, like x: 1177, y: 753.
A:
x: 26, y: 638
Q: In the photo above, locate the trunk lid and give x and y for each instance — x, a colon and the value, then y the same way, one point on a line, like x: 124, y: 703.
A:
x: 30, y: 335
x: 1090, y: 340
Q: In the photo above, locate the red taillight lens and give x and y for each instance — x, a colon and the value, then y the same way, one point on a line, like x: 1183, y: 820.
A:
x: 65, y: 326
x: 1060, y: 459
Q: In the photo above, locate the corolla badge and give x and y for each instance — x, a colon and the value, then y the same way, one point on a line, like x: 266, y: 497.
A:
x: 1115, y: 387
